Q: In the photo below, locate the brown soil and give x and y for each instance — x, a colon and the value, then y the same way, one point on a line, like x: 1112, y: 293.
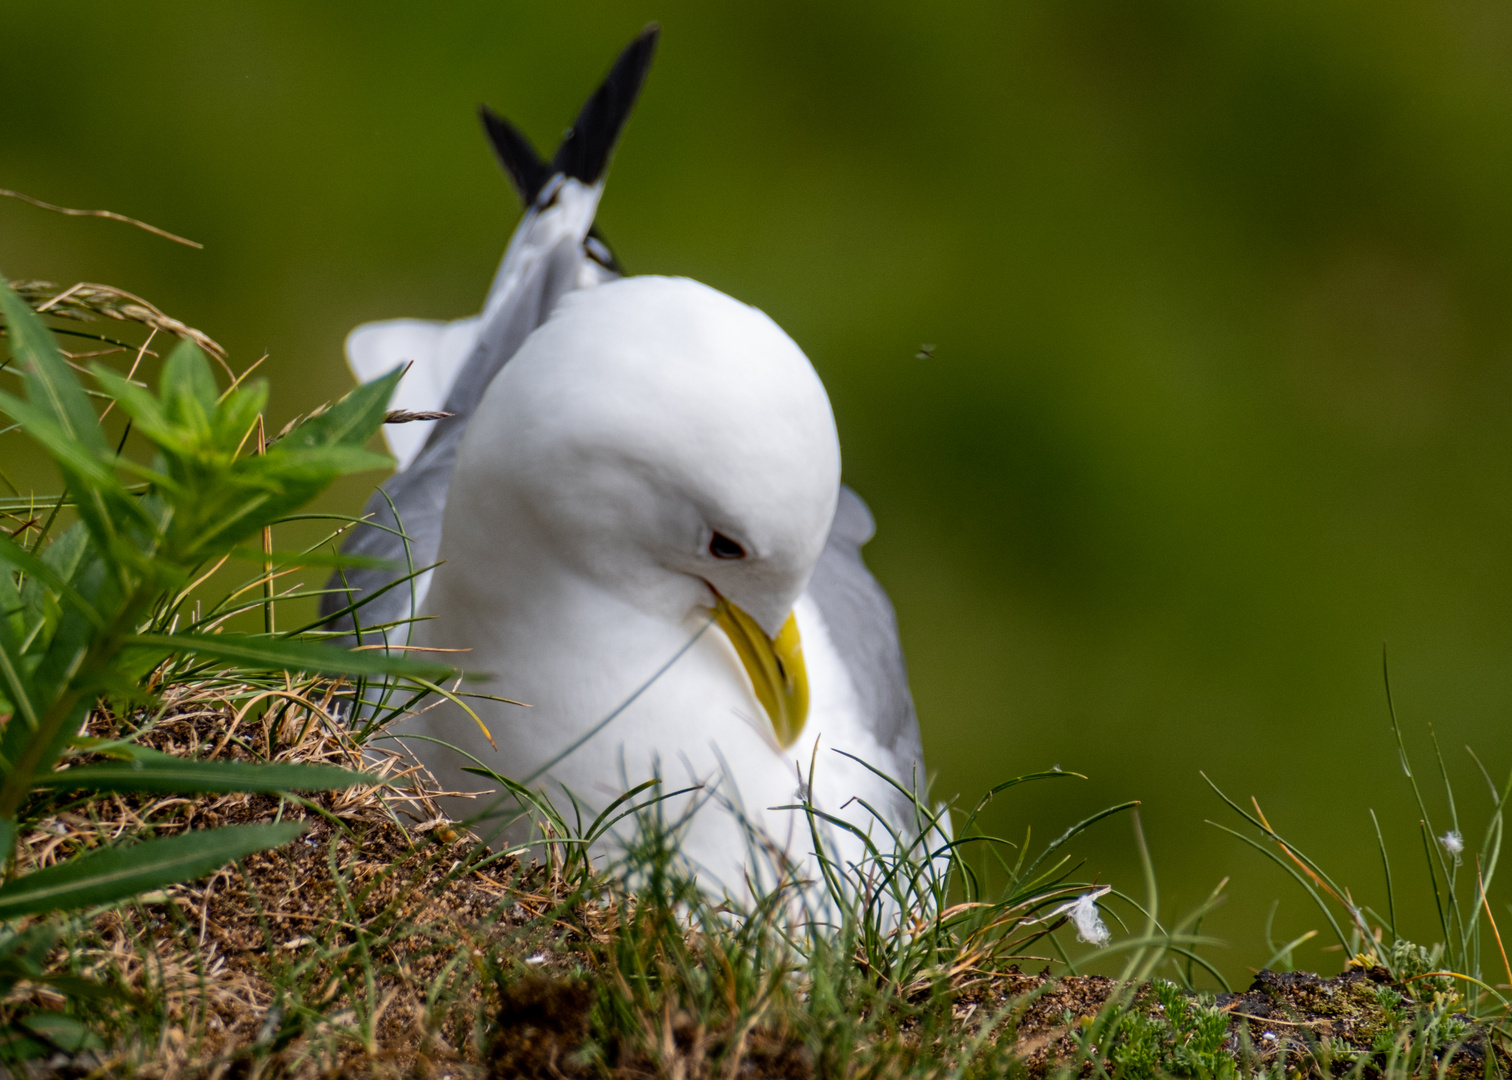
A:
x: 542, y: 1029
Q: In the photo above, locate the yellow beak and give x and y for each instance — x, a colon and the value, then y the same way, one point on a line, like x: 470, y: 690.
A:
x: 775, y: 666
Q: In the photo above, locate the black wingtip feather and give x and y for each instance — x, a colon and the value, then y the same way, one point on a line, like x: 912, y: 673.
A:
x: 527, y: 170
x: 585, y: 150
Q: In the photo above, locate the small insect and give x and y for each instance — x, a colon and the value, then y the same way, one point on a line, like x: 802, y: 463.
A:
x: 926, y: 352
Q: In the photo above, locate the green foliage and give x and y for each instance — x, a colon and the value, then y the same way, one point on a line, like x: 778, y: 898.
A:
x: 99, y: 609
x: 112, y: 873
x: 1180, y: 1035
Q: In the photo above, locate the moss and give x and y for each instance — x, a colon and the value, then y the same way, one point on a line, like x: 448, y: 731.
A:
x: 1320, y: 1026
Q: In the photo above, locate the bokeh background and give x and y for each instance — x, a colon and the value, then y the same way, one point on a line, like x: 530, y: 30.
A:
x: 1221, y: 390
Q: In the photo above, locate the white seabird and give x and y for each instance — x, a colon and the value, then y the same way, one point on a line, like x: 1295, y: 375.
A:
x: 640, y: 530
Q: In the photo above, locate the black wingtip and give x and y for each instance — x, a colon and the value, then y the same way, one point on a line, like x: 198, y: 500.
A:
x: 527, y: 170
x: 585, y: 150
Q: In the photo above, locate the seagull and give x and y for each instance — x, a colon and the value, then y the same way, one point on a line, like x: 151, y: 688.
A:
x: 630, y: 514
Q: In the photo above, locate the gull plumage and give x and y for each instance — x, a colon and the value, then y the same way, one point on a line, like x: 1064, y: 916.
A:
x: 637, y: 527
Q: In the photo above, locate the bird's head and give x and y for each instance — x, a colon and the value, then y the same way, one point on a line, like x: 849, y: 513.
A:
x: 674, y: 446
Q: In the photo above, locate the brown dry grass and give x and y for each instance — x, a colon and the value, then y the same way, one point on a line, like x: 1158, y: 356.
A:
x: 365, y: 947
x: 373, y: 945
x: 365, y: 938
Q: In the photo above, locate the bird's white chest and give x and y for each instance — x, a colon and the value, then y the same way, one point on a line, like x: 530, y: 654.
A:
x: 616, y: 697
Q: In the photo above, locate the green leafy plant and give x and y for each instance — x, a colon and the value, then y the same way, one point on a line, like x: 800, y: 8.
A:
x: 94, y: 614
x: 1181, y: 1035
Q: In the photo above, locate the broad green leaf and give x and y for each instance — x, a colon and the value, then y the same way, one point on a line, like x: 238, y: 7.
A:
x: 66, y: 557
x: 61, y: 707
x: 47, y: 742
x: 244, y: 511
x: 16, y: 1045
x: 23, y: 954
x: 287, y: 655
x: 187, y: 390
x: 319, y: 460
x: 99, y: 496
x: 14, y: 555
x: 160, y: 481
x: 349, y: 422
x: 67, y: 1033
x: 12, y: 607
x: 69, y: 553
x: 14, y: 679
x: 146, y: 412
x: 50, y: 384
x: 114, y: 873
x: 153, y: 771
x: 237, y: 412
x: 75, y: 631
x: 69, y: 452
x: 267, y: 488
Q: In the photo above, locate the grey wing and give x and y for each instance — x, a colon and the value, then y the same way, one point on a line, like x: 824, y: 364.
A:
x: 553, y: 251
x: 411, y: 539
x: 865, y: 632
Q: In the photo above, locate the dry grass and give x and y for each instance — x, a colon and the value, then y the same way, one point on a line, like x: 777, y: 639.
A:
x: 378, y: 945
x: 86, y: 300
x: 372, y: 946
x: 365, y: 939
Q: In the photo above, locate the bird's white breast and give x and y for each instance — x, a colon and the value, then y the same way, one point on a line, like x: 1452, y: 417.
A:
x: 698, y: 724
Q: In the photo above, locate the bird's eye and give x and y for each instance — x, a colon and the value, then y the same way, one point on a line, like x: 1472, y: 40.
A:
x: 722, y: 547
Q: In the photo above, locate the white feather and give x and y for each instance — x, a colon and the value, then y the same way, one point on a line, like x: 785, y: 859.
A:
x: 435, y: 352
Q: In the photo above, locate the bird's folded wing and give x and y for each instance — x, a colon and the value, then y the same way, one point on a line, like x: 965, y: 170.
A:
x: 550, y: 254
x: 434, y: 351
x: 544, y: 261
x: 864, y: 630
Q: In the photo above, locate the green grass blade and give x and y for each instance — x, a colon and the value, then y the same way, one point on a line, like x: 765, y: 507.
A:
x: 283, y: 653
x: 1292, y: 870
x: 1283, y: 953
x: 1396, y: 730
x: 1386, y: 869
x: 1301, y: 856
x: 1047, y: 774
x: 158, y: 772
x: 114, y: 873
x: 1429, y: 845
x: 1080, y: 827
x: 14, y: 679
x: 354, y: 605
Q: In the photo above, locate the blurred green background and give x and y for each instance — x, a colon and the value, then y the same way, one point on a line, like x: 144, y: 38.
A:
x: 1218, y: 294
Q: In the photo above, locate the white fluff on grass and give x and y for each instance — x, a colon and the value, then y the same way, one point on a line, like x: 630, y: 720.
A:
x: 1454, y: 844
x: 1084, y: 916
x: 1088, y: 921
